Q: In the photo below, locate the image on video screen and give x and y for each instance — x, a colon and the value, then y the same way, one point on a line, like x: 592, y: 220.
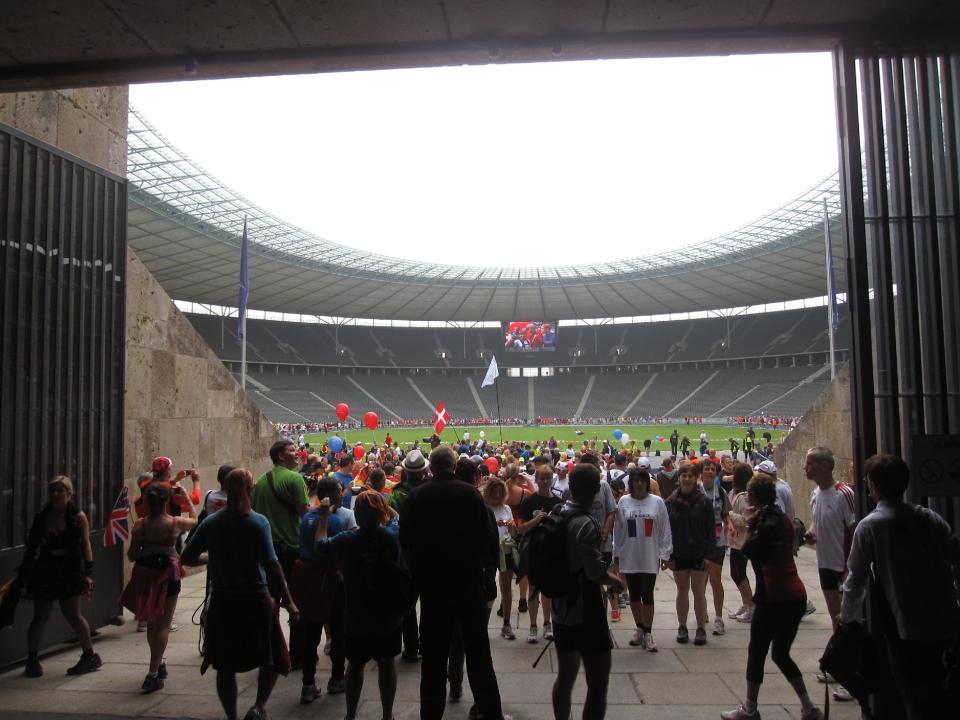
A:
x: 530, y: 336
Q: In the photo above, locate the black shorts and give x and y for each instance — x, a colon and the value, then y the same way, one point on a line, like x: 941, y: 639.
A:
x: 592, y: 636
x: 364, y: 649
x: 641, y: 587
x: 688, y: 564
x: 717, y: 554
x: 830, y: 579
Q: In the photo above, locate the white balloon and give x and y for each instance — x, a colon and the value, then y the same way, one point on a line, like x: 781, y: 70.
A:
x: 624, y: 438
x: 466, y: 436
x: 483, y: 434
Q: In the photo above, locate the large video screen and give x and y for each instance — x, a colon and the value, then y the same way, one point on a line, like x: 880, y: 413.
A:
x: 530, y: 336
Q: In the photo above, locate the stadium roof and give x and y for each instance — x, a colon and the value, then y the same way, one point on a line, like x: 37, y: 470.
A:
x: 186, y: 227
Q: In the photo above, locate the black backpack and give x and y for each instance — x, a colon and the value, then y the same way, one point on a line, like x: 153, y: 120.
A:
x: 544, y: 553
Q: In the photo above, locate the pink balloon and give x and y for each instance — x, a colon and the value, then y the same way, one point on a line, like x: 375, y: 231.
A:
x: 370, y: 419
x: 342, y: 411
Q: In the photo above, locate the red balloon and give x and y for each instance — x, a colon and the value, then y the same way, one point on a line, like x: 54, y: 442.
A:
x: 342, y: 411
x: 492, y: 464
x: 359, y: 452
x: 370, y: 419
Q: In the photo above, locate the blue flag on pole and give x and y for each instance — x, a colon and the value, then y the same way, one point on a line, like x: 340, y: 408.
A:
x: 244, y: 283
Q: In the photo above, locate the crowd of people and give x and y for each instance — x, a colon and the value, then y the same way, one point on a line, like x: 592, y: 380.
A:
x: 349, y: 545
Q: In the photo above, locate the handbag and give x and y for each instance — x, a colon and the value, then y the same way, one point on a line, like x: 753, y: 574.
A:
x: 851, y: 658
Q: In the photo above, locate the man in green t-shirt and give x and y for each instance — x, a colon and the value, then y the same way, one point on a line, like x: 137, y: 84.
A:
x: 281, y: 496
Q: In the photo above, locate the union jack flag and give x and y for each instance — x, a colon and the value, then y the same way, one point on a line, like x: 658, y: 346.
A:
x: 119, y: 528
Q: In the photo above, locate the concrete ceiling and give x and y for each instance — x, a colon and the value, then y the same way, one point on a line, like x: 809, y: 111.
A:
x: 76, y: 43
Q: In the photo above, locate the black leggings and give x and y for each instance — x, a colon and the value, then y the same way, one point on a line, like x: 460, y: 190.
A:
x: 640, y: 586
x: 738, y: 566
x: 776, y: 623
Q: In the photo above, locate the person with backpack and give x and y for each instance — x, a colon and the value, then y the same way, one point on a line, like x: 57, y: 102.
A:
x: 533, y: 510
x: 580, y: 630
x: 692, y: 530
x: 377, y: 592
x: 642, y: 546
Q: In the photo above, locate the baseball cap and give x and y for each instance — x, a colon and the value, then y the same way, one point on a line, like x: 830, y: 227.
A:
x: 161, y: 464
x: 643, y: 463
x: 767, y: 466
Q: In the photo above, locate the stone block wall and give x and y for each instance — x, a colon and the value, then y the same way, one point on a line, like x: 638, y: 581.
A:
x: 90, y: 123
x: 180, y: 399
x: 827, y: 423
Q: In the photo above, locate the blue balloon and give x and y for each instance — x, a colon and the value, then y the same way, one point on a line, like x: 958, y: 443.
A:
x: 618, y: 433
x: 335, y: 443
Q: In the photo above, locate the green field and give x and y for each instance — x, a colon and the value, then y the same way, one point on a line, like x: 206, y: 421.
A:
x: 718, y: 435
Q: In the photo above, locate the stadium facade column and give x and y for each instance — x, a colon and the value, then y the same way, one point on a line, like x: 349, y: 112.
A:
x: 899, y: 191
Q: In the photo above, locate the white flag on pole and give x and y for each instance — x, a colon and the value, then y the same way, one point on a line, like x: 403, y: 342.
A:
x: 493, y: 372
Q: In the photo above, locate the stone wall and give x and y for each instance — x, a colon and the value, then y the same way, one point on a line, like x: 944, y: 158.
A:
x: 827, y: 423
x: 180, y: 399
x: 90, y: 123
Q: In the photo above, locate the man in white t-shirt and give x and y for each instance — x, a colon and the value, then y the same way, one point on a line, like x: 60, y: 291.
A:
x: 833, y: 507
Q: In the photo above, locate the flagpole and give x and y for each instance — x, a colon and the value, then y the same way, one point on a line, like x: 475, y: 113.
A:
x: 242, y: 310
x: 496, y: 386
x: 243, y: 353
x: 831, y: 296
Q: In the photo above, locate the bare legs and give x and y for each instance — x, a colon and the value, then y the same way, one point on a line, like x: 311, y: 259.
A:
x: 687, y: 580
x: 70, y: 607
x: 715, y: 575
x: 387, y: 678
x: 533, y: 605
x: 597, y: 673
x: 158, y: 633
x: 227, y: 690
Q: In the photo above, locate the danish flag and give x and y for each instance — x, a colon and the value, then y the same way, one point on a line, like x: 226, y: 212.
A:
x: 441, y: 419
x: 118, y: 530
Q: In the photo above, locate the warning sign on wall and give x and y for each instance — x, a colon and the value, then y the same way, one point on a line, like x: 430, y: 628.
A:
x: 936, y: 466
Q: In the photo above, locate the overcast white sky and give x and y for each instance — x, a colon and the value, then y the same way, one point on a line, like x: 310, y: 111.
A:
x: 508, y: 164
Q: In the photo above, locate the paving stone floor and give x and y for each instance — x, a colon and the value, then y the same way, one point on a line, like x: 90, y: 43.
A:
x: 677, y: 682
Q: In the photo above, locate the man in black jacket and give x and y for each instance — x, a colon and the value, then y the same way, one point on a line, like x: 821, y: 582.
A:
x: 445, y: 536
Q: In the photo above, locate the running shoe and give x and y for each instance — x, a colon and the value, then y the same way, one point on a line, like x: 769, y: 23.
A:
x: 507, y: 633
x: 683, y: 637
x: 812, y: 714
x: 33, y: 669
x: 152, y: 683
x: 174, y: 627
x: 740, y: 713
x: 142, y: 626
x: 615, y: 614
x: 736, y: 615
x: 648, y: 642
x: 548, y: 631
x: 823, y: 677
x: 718, y: 628
x: 532, y: 634
x: 841, y: 694
x: 309, y: 693
x: 637, y: 639
x: 88, y: 663
x: 522, y: 606
x: 255, y: 713
x: 624, y: 600
x: 746, y: 616
x: 811, y: 608
x: 701, y: 637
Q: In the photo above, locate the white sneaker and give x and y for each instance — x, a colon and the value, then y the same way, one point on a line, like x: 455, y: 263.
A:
x: 823, y: 677
x: 649, y: 643
x: 811, y: 608
x: 532, y: 635
x: 841, y: 694
x: 507, y: 633
x: 736, y: 615
x: 637, y: 639
x: 746, y: 616
x: 548, y: 631
x: 718, y: 628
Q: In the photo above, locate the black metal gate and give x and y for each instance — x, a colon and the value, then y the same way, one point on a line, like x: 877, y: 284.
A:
x: 899, y: 126
x: 62, y: 293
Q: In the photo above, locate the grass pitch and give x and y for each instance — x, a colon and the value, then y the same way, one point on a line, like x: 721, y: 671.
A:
x: 718, y: 436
